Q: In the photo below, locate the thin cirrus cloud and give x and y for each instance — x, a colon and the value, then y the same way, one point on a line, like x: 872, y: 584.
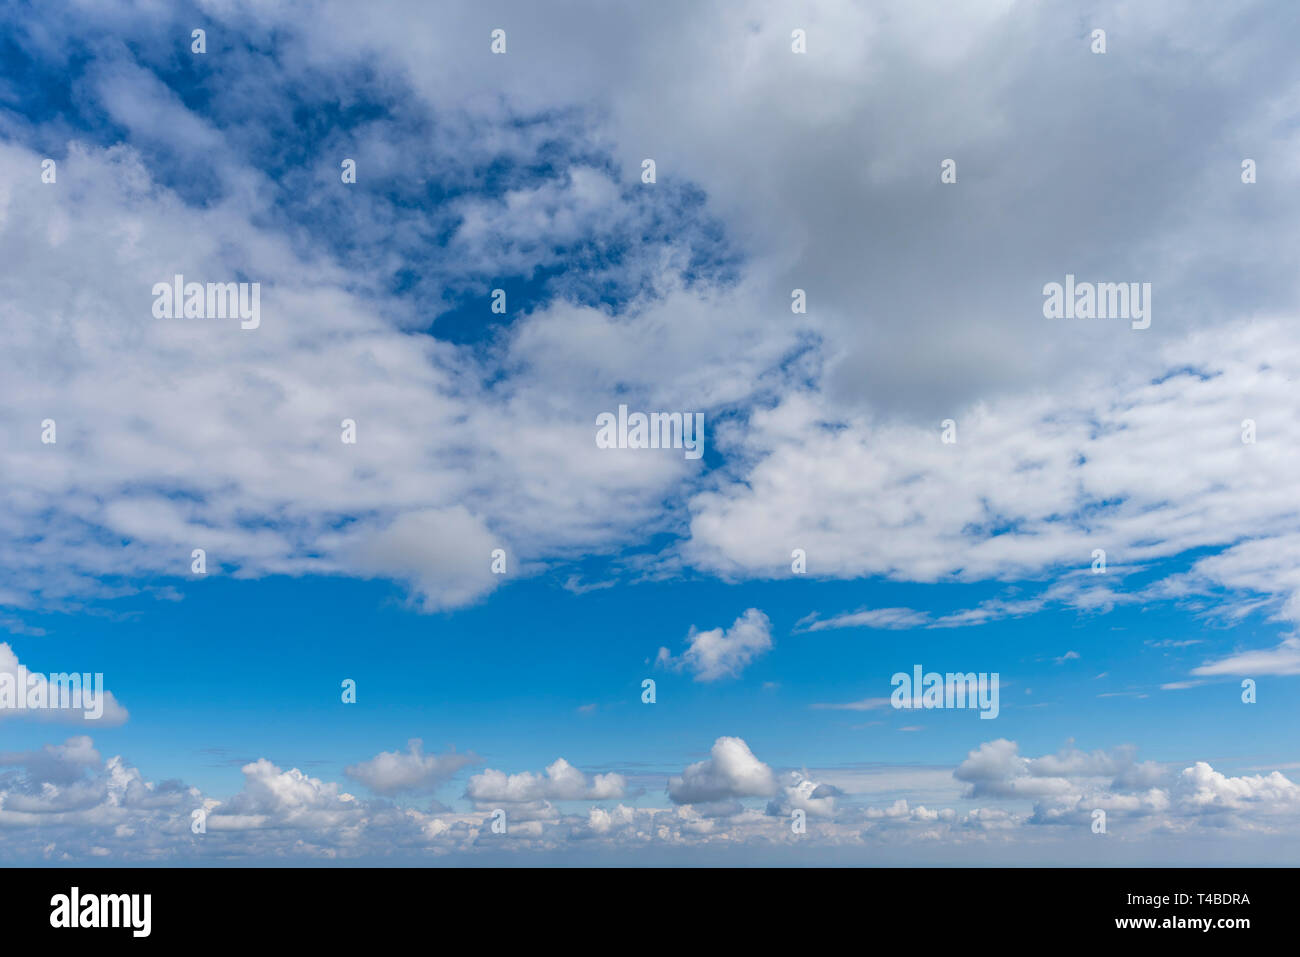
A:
x: 1282, y: 660
x: 864, y: 704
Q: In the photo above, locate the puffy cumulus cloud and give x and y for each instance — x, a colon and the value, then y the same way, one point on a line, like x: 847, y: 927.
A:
x: 392, y: 772
x: 731, y: 771
x: 280, y: 798
x: 1204, y: 789
x: 1067, y: 787
x: 902, y: 812
x: 57, y: 692
x: 63, y: 800
x: 800, y: 792
x: 992, y: 767
x: 997, y: 769
x: 66, y: 802
x: 720, y: 653
x: 56, y: 763
x: 561, y: 781
x: 604, y: 822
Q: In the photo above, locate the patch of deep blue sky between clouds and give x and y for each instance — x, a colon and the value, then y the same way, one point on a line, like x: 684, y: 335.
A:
x: 393, y: 230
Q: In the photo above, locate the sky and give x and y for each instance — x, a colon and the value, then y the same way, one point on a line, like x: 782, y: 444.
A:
x: 465, y: 630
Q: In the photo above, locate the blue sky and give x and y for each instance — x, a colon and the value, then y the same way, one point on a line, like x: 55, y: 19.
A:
x: 1120, y: 691
x: 512, y: 674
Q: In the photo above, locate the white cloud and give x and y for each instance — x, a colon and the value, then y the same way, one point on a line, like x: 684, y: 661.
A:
x: 1179, y: 685
x: 175, y: 436
x: 801, y: 792
x: 1282, y: 660
x: 1032, y: 486
x: 276, y: 798
x: 63, y: 802
x: 1066, y: 787
x: 229, y: 440
x: 224, y: 425
x: 901, y: 618
x: 730, y: 772
x: 908, y: 618
x: 1205, y: 789
x: 864, y: 704
x: 445, y: 554
x: 715, y: 654
x: 997, y: 769
x: 392, y: 772
x: 98, y: 708
x: 560, y: 782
